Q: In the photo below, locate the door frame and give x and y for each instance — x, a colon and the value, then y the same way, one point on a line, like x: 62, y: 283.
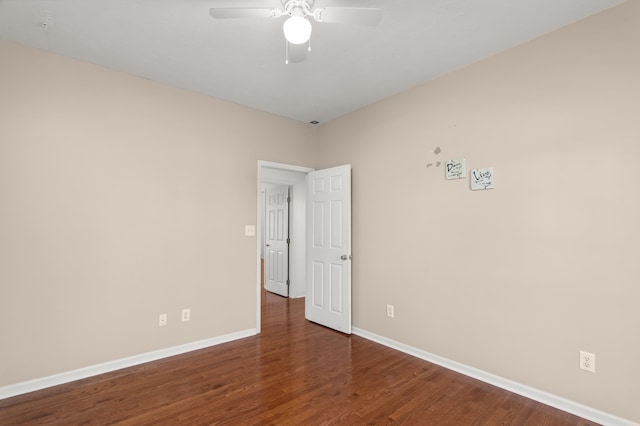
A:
x: 297, y: 255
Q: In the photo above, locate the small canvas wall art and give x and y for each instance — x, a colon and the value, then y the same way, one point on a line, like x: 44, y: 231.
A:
x: 456, y: 169
x: 482, y: 179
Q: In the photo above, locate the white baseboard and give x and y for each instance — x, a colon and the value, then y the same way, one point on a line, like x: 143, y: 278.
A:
x: 526, y: 391
x: 94, y: 370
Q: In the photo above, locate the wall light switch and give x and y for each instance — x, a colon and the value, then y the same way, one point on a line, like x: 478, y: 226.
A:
x: 249, y: 231
x: 162, y: 320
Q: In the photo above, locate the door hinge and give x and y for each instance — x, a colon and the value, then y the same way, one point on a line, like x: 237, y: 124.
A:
x: 288, y: 199
x: 288, y: 240
x: 288, y: 282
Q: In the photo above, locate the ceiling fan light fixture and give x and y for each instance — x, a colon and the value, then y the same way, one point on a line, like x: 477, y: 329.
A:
x: 297, y: 30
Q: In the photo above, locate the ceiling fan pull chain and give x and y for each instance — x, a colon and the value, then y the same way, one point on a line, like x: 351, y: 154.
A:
x: 286, y: 52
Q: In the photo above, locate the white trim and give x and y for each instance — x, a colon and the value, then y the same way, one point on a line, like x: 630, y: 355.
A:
x: 520, y: 389
x: 94, y: 370
x: 282, y: 166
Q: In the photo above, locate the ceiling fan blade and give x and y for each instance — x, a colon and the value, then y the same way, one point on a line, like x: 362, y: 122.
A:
x: 358, y: 4
x: 346, y: 15
x: 297, y: 52
x: 245, y: 4
x: 231, y: 13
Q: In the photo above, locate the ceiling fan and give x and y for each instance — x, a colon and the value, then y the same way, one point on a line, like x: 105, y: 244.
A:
x: 297, y: 26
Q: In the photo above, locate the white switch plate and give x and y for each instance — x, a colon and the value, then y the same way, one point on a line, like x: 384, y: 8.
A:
x: 162, y: 320
x: 249, y: 231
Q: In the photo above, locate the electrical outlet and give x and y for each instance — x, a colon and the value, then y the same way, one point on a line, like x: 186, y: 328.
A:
x: 587, y: 361
x: 390, y: 311
x: 162, y: 320
x: 186, y: 314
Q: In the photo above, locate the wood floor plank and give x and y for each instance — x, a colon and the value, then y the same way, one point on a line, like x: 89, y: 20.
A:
x: 293, y: 373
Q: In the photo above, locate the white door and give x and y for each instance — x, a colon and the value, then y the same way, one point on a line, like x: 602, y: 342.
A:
x: 328, y: 300
x: 276, y: 263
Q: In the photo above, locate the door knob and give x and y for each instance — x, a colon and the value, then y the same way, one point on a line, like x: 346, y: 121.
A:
x: 345, y: 257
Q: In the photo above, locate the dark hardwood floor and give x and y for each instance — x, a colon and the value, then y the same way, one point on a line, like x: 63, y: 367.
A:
x: 293, y: 373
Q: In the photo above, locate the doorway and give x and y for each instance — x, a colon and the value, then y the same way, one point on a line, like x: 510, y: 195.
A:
x: 269, y: 174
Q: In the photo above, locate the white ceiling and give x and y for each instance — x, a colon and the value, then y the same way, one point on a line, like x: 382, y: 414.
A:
x: 176, y: 42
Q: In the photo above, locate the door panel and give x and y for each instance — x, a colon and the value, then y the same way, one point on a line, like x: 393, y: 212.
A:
x: 276, y: 265
x: 337, y: 304
x: 317, y: 298
x: 329, y: 248
x: 318, y: 225
x: 337, y: 239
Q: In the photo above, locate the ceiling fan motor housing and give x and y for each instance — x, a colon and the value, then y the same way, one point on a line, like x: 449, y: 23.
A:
x: 300, y: 8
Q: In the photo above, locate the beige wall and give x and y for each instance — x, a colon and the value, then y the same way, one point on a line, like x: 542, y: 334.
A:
x: 121, y: 199
x: 516, y: 280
